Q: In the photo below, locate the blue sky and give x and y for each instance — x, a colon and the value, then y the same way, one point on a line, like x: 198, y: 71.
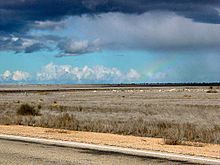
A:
x: 109, y: 41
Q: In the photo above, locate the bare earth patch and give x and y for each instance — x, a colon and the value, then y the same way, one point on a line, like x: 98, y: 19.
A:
x: 143, y: 143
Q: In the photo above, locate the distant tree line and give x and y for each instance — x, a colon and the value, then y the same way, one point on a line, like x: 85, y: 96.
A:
x: 164, y: 84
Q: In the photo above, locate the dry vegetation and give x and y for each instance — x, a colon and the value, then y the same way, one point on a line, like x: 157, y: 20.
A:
x: 176, y: 114
x: 26, y: 109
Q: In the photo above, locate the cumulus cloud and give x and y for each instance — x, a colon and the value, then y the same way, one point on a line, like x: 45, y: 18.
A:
x: 53, y: 73
x: 74, y: 48
x: 132, y: 75
x: 20, y: 76
x: 96, y: 74
x: 6, y: 75
x: 15, y: 76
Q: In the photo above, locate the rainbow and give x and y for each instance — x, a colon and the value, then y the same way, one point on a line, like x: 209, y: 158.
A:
x: 158, y: 65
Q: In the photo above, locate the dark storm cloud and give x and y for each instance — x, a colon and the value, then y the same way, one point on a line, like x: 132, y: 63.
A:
x: 26, y: 43
x: 18, y: 15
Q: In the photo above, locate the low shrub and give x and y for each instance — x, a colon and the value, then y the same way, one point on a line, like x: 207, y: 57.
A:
x: 26, y: 109
x: 211, y: 90
x: 39, y: 106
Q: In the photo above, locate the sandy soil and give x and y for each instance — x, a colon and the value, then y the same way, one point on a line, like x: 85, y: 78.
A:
x: 143, y: 143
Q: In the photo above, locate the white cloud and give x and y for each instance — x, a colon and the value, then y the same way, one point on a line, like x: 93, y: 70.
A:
x: 6, y: 75
x: 73, y: 48
x: 20, y: 76
x: 133, y: 75
x: 15, y: 76
x: 52, y: 72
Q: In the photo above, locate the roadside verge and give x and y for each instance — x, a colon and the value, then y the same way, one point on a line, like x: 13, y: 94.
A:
x: 140, y: 146
x: 134, y: 152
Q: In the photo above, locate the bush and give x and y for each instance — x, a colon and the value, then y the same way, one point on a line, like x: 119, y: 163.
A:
x: 26, y: 109
x: 39, y: 106
x: 212, y: 90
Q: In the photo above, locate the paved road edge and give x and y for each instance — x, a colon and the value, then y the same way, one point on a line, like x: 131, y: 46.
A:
x: 127, y: 151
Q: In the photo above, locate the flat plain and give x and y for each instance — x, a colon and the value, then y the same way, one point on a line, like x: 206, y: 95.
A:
x: 177, y: 114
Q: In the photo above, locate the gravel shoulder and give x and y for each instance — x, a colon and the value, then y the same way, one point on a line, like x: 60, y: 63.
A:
x: 143, y: 143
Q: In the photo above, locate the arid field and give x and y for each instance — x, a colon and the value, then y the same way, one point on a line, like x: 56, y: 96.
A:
x: 177, y: 114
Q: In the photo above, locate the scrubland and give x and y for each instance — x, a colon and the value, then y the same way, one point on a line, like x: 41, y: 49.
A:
x: 177, y: 114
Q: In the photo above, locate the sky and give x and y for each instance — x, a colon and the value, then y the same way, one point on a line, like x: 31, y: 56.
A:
x: 109, y: 41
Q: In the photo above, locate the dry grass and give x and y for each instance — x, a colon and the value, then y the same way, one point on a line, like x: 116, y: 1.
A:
x: 177, y: 115
x: 173, y: 133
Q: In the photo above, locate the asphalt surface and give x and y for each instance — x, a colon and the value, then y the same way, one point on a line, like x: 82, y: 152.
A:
x: 14, y: 152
